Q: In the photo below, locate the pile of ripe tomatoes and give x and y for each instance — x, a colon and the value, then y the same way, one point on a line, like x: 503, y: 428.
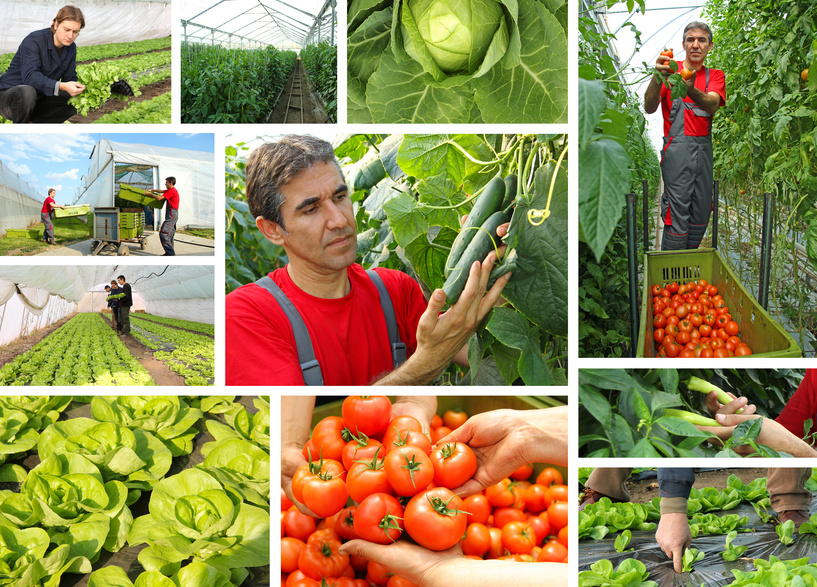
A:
x: 391, y: 479
x: 692, y: 320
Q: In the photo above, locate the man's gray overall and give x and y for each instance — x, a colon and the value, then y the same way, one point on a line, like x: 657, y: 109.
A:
x: 686, y: 166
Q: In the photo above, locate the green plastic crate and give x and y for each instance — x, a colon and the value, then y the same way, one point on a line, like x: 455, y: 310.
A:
x: 131, y: 220
x: 764, y: 335
x: 134, y: 194
x: 35, y: 233
x: 125, y: 233
x: 72, y: 211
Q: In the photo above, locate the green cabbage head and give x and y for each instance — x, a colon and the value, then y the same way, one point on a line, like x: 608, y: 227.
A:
x: 450, y: 37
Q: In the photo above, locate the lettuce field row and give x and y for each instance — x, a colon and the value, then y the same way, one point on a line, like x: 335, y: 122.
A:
x: 85, y: 471
x: 154, y: 111
x: 186, y: 324
x: 97, y: 52
x: 190, y: 355
x: 321, y: 65
x: 232, y: 85
x: 83, y: 351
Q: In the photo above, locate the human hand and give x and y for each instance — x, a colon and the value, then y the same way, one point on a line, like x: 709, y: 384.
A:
x: 673, y: 537
x: 505, y: 440
x: 738, y: 403
x: 772, y: 434
x: 73, y: 88
x: 420, y: 407
x: 441, y: 336
x: 291, y: 459
x: 662, y: 65
x: 410, y: 561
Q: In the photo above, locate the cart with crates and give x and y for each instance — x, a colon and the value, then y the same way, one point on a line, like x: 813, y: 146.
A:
x: 115, y: 227
x: 768, y: 337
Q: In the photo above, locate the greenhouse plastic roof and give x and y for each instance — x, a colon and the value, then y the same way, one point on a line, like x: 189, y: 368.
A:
x: 157, y: 282
x: 286, y: 24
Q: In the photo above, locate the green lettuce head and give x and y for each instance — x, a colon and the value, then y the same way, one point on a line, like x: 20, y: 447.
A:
x: 457, y: 37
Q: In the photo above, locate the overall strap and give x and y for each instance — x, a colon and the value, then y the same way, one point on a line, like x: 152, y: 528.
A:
x: 398, y: 348
x: 310, y: 368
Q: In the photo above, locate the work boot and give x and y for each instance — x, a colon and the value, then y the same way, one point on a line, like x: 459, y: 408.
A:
x: 52, y: 241
x: 798, y: 516
x: 591, y: 496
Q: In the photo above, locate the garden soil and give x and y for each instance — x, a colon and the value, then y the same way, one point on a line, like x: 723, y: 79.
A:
x: 761, y: 539
x: 314, y: 111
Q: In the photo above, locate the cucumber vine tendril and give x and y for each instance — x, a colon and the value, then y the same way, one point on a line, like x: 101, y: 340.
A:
x: 538, y: 216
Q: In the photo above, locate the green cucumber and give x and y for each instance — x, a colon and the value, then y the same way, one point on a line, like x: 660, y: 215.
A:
x: 506, y: 265
x: 479, y: 247
x: 488, y: 202
x: 695, y: 419
x: 511, y: 184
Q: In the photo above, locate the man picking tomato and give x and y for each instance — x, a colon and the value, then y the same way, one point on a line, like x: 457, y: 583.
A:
x: 323, y: 319
x: 686, y: 161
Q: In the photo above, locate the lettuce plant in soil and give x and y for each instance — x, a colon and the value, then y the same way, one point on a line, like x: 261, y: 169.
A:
x: 192, y: 514
x: 457, y: 61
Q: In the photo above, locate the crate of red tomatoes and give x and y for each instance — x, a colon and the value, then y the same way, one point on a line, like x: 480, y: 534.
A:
x: 693, y: 305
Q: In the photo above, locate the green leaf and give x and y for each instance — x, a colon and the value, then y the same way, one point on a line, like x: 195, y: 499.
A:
x: 405, y: 222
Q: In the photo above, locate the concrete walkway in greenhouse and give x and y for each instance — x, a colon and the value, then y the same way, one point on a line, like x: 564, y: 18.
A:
x: 185, y: 245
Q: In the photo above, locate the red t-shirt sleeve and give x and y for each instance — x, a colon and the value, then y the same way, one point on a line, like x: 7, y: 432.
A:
x: 801, y: 407
x: 717, y: 84
x: 258, y: 352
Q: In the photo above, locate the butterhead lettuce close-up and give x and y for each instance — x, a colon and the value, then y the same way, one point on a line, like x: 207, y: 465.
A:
x: 457, y: 61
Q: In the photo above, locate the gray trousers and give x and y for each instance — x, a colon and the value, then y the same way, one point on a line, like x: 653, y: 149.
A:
x: 48, y: 235
x: 168, y: 230
x: 124, y: 319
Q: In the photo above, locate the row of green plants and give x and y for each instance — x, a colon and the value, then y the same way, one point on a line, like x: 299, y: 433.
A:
x: 222, y: 85
x: 207, y: 524
x: 321, y: 64
x: 186, y: 324
x: 190, y: 355
x: 631, y: 413
x: 764, y: 141
x: 154, y: 111
x: 410, y: 193
x: 98, y: 52
x: 83, y: 351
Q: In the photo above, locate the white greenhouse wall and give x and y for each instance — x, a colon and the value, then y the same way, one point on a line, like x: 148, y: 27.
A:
x: 17, y: 320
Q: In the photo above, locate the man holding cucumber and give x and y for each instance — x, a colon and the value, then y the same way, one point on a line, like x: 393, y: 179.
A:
x: 299, y: 197
x: 686, y: 159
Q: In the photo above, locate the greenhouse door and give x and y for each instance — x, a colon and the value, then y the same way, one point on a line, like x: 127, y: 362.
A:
x: 141, y: 176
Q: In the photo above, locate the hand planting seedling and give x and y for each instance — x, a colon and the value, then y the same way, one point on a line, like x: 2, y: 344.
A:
x: 691, y: 556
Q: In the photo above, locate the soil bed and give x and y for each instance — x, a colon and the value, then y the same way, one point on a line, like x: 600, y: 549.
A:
x: 160, y: 372
x: 314, y: 112
x: 115, y: 105
x: 643, y: 490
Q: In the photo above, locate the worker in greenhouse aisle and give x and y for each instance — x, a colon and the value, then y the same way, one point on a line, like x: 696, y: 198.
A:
x: 297, y: 193
x: 686, y: 160
x: 42, y: 75
x: 168, y: 230
x: 116, y: 304
x: 124, y: 310
x: 46, y: 214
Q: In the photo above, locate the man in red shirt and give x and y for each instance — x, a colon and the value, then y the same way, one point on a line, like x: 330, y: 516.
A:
x: 686, y: 162
x: 46, y: 213
x: 168, y: 229
x: 297, y: 193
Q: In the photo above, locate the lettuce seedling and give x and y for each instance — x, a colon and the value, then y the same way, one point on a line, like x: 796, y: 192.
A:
x: 691, y: 556
x: 730, y: 552
x: 785, y: 532
x: 623, y: 540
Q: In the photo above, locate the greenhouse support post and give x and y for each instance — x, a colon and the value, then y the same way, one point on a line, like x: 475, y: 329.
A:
x: 766, y: 250
x: 715, y: 203
x: 645, y: 188
x: 632, y: 271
